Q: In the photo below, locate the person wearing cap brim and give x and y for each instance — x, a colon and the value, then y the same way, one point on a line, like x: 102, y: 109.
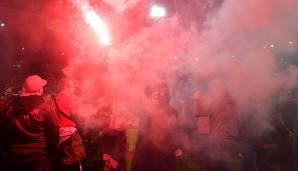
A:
x: 30, y: 128
x: 33, y: 85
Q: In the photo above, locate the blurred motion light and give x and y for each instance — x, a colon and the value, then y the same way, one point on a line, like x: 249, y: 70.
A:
x: 98, y: 25
x: 157, y: 11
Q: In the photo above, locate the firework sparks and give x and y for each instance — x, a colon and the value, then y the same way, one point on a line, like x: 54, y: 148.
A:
x: 97, y: 24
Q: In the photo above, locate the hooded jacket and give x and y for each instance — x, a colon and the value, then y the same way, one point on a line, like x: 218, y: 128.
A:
x: 29, y: 125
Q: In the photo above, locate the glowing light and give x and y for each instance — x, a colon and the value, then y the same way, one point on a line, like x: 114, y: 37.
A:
x: 290, y: 43
x: 157, y: 11
x: 272, y: 45
x: 2, y: 24
x: 97, y: 24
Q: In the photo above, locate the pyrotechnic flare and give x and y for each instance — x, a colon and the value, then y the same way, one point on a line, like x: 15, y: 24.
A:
x: 97, y: 24
x: 157, y: 11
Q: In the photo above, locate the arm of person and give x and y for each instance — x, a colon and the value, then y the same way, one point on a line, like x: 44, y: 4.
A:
x: 51, y: 127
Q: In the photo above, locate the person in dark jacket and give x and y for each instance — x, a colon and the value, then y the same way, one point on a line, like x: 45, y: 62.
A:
x: 68, y: 159
x: 157, y: 142
x: 214, y: 142
x: 29, y: 128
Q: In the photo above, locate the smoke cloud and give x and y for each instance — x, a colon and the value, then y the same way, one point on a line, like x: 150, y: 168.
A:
x: 247, y: 48
x: 239, y: 47
x: 121, y: 5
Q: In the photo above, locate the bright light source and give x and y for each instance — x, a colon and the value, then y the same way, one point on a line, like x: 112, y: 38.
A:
x: 290, y: 43
x: 157, y: 11
x: 97, y: 24
x: 2, y: 24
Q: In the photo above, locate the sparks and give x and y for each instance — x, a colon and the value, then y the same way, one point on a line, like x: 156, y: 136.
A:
x: 97, y: 24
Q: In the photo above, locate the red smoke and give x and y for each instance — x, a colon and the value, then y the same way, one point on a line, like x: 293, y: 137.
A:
x: 229, y: 52
x: 236, y: 48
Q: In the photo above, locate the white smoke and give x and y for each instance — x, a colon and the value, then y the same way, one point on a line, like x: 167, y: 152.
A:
x: 121, y: 5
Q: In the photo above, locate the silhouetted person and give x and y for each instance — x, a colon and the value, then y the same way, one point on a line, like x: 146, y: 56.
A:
x: 69, y: 157
x: 217, y: 129
x: 29, y: 128
x: 157, y: 143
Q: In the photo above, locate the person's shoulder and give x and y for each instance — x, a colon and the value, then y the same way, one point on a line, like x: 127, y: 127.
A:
x: 48, y: 104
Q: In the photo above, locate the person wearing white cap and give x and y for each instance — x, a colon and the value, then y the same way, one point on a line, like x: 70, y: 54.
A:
x: 29, y: 128
x: 33, y: 85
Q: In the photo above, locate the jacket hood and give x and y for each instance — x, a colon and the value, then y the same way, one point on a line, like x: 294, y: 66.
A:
x: 27, y: 103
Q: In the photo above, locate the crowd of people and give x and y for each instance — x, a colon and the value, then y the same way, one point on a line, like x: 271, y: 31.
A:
x: 41, y: 133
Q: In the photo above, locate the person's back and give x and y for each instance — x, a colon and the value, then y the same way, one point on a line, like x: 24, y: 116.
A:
x: 29, y: 125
